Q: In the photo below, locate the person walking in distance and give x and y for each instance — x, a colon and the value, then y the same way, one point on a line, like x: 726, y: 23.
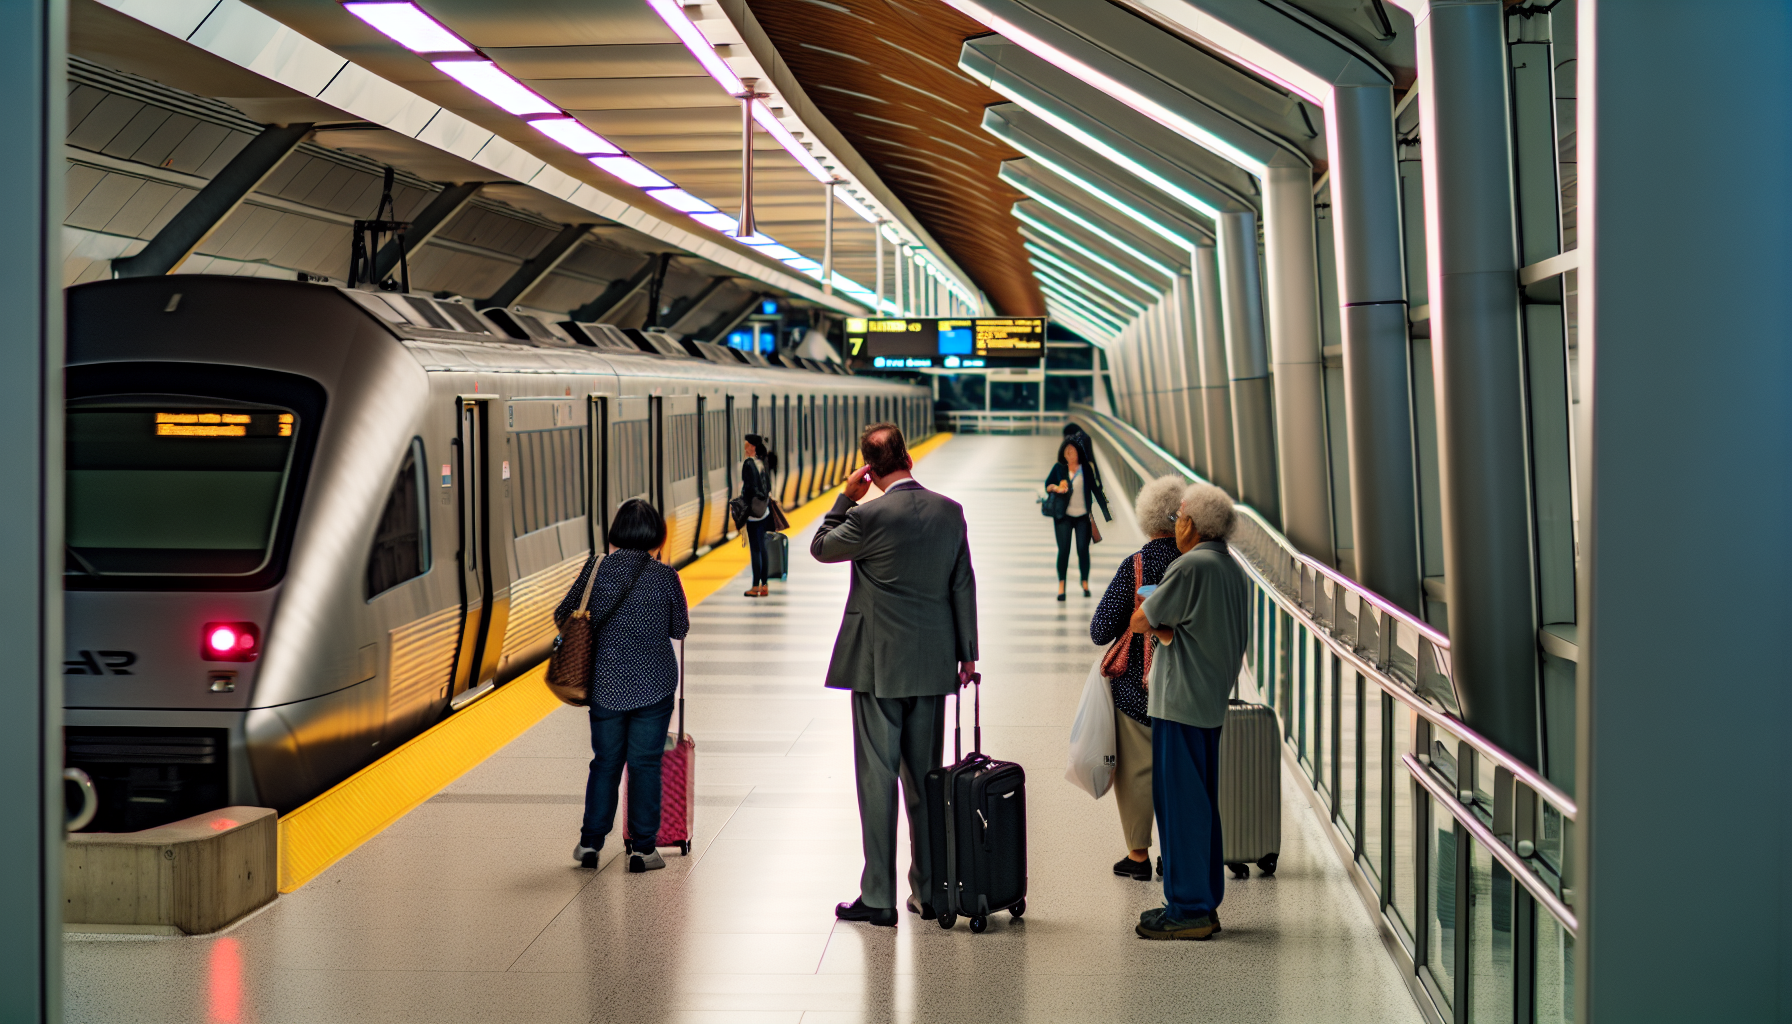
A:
x: 1070, y: 509
x: 758, y: 464
x: 907, y: 639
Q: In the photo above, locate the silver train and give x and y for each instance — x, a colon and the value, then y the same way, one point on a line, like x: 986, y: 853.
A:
x: 304, y: 522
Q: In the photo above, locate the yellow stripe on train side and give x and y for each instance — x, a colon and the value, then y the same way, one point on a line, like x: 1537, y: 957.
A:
x: 336, y: 822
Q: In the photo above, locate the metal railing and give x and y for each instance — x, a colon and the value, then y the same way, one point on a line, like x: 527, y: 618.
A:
x: 976, y: 421
x: 1314, y: 634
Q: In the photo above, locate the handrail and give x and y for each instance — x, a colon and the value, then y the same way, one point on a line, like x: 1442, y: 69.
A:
x: 1404, y: 656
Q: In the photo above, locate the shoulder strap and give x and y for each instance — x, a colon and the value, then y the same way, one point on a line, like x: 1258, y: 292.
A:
x: 597, y: 623
x: 590, y: 583
x: 1138, y: 573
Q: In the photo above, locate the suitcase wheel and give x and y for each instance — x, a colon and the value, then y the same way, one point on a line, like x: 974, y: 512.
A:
x: 979, y: 925
x: 948, y: 919
x: 1240, y: 870
x: 1017, y: 910
x: 1267, y: 865
x: 684, y: 848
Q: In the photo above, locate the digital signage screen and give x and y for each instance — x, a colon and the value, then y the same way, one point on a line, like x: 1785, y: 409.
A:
x: 920, y: 343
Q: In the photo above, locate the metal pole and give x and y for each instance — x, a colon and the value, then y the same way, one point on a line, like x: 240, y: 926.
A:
x: 1478, y: 366
x: 1216, y: 390
x: 1291, y: 265
x: 877, y: 234
x: 1247, y: 364
x: 1177, y: 305
x: 827, y: 239
x: 32, y: 40
x: 746, y: 228
x: 1366, y: 235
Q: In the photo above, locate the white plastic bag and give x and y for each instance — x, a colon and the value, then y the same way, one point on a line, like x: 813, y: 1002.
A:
x: 1092, y: 737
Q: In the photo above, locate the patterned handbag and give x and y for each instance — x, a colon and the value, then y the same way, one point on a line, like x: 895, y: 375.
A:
x: 570, y: 665
x: 1115, y: 662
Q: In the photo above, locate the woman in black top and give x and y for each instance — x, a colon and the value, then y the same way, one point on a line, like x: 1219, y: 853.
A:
x: 1156, y: 507
x: 633, y: 679
x: 1070, y: 484
x: 756, y: 471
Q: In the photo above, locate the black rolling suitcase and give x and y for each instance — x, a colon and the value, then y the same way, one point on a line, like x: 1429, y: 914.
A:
x: 977, y: 829
x: 777, y: 556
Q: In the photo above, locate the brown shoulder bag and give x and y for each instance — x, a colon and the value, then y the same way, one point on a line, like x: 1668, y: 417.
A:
x: 571, y: 664
x: 1114, y: 663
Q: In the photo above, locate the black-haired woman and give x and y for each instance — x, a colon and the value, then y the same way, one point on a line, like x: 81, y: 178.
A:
x: 756, y: 469
x: 1070, y: 484
x: 637, y: 607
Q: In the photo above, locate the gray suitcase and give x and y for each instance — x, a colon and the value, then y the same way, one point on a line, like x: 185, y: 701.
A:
x: 777, y: 556
x: 1251, y: 788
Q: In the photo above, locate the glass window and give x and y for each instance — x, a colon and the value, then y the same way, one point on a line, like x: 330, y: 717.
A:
x: 1490, y: 942
x: 1402, y: 870
x: 177, y: 488
x: 1348, y: 710
x: 1061, y: 392
x: 1440, y: 945
x: 1374, y: 706
x: 401, y: 541
x: 1014, y: 396
x: 960, y: 391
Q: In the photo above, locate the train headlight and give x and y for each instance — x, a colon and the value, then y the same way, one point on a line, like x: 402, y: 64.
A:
x: 230, y: 641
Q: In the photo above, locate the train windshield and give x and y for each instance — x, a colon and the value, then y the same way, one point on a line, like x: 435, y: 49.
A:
x: 179, y: 488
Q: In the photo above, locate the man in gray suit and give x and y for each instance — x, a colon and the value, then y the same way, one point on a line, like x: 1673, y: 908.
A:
x: 908, y: 638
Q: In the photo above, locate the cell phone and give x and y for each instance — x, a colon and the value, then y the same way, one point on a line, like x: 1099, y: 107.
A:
x: 1147, y: 590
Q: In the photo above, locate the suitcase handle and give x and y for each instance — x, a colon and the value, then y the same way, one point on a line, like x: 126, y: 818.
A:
x: 681, y: 689
x: 976, y: 681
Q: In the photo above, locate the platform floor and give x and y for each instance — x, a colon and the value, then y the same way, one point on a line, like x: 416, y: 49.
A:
x: 470, y: 909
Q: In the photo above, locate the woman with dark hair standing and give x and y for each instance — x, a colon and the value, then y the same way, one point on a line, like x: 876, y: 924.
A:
x: 756, y: 471
x: 634, y: 675
x: 1070, y: 505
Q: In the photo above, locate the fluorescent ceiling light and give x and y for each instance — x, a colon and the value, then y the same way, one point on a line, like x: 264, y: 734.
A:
x: 1073, y: 245
x: 1090, y: 226
x: 484, y: 78
x: 1083, y: 308
x: 1144, y: 218
x: 1102, y: 149
x: 407, y: 25
x: 779, y: 252
x: 680, y: 200
x: 1081, y: 274
x: 575, y: 136
x: 630, y: 170
x: 672, y: 13
x: 1125, y: 312
x: 802, y: 262
x: 717, y: 221
x: 763, y: 116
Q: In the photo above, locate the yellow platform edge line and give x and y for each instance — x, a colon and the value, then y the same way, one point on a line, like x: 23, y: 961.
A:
x: 336, y: 822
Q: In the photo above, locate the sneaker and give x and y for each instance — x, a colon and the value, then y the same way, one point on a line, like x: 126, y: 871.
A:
x: 640, y: 863
x: 1126, y: 867
x: 1157, y: 924
x: 585, y: 855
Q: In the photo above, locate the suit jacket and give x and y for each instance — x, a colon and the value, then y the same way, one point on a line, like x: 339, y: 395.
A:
x: 911, y: 615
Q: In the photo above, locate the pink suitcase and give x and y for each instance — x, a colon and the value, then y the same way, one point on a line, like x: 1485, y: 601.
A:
x: 678, y: 781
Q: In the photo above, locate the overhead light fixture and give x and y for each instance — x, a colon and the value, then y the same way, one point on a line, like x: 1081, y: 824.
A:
x: 1083, y: 309
x: 1145, y: 219
x: 1060, y: 238
x: 779, y: 252
x: 1125, y: 312
x: 764, y: 118
x: 407, y: 25
x: 672, y: 13
x: 630, y: 170
x: 484, y: 78
x: 682, y: 201
x: 570, y: 133
x: 717, y: 221
x: 1082, y: 275
x: 1090, y: 226
x: 1125, y: 160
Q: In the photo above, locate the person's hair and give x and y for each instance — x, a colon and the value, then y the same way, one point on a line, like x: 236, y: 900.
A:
x: 1157, y: 505
x: 638, y: 526
x: 764, y: 452
x: 1208, y: 511
x: 884, y: 449
x: 1071, y: 429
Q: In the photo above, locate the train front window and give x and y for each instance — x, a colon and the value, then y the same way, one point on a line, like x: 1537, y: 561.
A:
x: 175, y: 489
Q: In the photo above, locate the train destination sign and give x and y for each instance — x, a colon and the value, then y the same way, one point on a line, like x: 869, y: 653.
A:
x: 920, y: 343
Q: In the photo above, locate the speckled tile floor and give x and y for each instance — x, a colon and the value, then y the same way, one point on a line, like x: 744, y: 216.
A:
x: 469, y: 909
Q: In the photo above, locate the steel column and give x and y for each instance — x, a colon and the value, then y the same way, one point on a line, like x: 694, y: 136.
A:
x: 827, y: 238
x: 1291, y: 264
x: 1247, y: 364
x: 538, y: 266
x: 1478, y: 366
x: 1216, y: 388
x: 446, y: 203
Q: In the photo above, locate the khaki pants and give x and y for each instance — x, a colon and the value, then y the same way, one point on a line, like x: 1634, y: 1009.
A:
x: 1132, y: 780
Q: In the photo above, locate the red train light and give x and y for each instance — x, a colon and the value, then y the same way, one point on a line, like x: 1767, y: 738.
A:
x: 230, y: 641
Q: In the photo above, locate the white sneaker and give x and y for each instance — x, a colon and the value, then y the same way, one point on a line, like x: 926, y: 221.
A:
x: 639, y: 863
x: 585, y: 855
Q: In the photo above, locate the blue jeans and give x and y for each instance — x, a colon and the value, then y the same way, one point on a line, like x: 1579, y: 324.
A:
x: 756, y: 548
x: 637, y: 738
x: 1185, y: 792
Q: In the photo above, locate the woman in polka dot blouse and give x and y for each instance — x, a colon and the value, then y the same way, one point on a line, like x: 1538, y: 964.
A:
x: 634, y: 676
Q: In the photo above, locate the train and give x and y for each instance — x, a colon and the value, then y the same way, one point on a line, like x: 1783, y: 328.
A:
x: 305, y: 523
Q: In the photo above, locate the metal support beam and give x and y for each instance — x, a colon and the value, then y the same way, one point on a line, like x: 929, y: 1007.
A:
x: 685, y: 307
x: 723, y: 325
x: 448, y: 202
x: 654, y: 284
x: 1216, y: 388
x: 32, y: 43
x: 204, y: 212
x: 877, y: 234
x: 827, y: 238
x: 1291, y: 269
x: 539, y: 266
x: 1247, y: 364
x: 620, y: 290
x: 1478, y: 365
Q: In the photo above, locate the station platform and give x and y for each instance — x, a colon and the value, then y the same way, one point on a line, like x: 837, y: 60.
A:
x: 471, y: 909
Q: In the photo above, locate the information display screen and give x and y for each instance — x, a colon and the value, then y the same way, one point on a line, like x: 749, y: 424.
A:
x: 920, y: 343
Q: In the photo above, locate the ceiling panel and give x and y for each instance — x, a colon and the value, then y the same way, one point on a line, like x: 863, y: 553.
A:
x: 642, y: 60
x: 551, y: 22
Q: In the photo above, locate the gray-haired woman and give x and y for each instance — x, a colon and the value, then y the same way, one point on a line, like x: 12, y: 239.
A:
x: 1156, y: 510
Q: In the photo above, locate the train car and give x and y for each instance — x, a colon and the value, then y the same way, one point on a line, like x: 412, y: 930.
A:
x: 304, y: 522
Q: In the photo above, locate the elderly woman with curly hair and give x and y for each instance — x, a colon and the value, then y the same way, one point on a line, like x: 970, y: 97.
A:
x: 1155, y: 508
x: 1201, y: 613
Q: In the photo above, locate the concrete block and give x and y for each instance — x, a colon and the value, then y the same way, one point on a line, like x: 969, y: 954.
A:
x: 193, y: 876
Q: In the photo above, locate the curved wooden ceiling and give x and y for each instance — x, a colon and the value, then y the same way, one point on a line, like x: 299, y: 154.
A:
x: 885, y: 72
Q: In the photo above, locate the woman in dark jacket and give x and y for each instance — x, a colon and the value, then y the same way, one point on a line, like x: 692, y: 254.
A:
x: 756, y: 470
x: 1156, y: 508
x: 1072, y: 500
x: 1086, y: 449
x: 634, y: 675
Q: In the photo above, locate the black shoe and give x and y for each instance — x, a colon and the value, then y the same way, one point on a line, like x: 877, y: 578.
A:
x: 1160, y: 866
x: 883, y: 917
x: 1060, y: 595
x: 924, y: 909
x: 1086, y: 590
x: 1126, y: 867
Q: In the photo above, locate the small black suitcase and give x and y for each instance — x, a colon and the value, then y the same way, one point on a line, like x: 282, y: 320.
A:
x: 977, y: 829
x: 777, y: 556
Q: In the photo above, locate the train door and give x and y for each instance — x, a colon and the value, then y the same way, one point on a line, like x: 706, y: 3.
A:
x: 598, y: 477
x: 656, y: 452
x: 473, y: 500
x: 731, y: 443
x: 704, y: 456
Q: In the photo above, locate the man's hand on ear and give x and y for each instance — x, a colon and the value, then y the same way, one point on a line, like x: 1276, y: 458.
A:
x: 857, y: 487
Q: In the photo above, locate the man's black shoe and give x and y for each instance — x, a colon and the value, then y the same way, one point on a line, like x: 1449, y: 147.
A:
x: 883, y: 917
x: 1126, y: 867
x: 924, y: 909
